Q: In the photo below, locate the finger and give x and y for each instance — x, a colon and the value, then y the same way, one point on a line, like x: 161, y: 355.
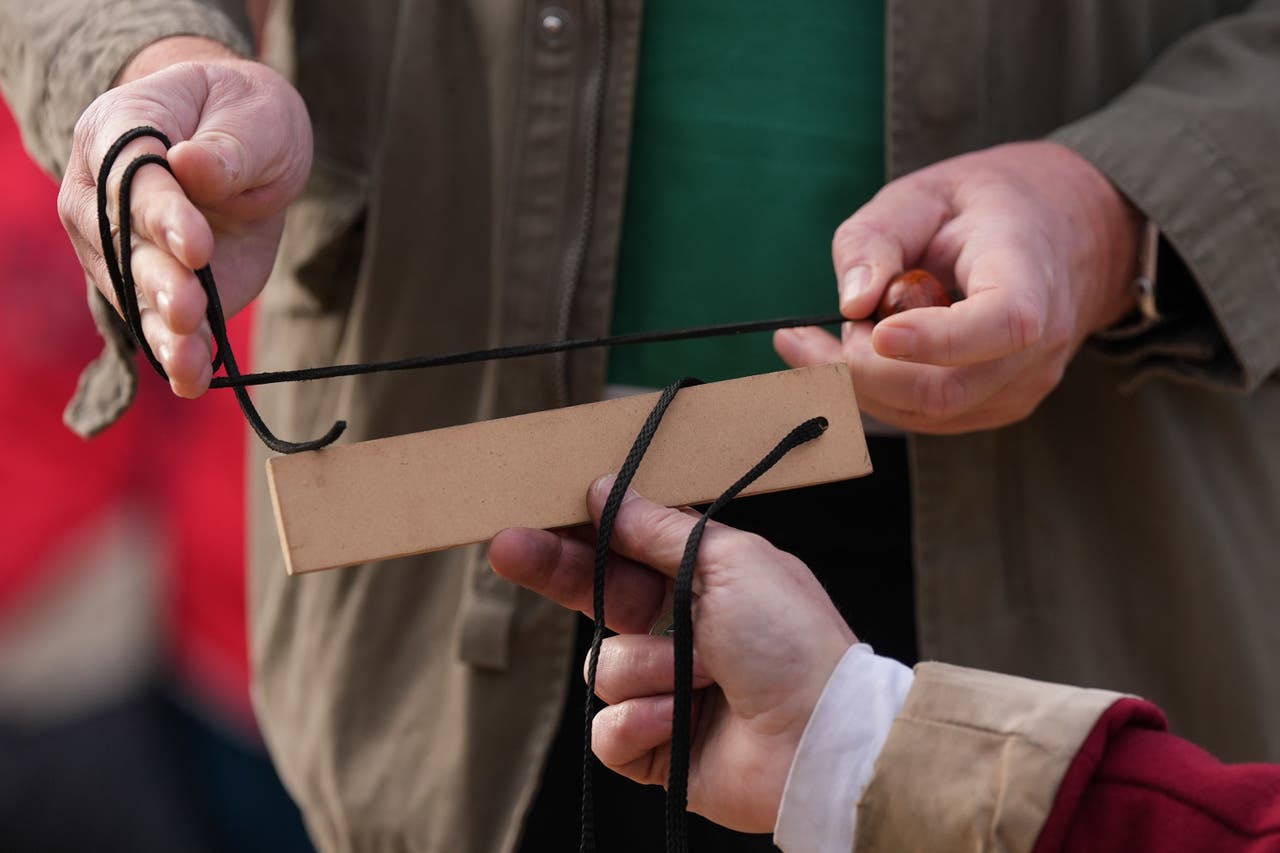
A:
x: 561, y: 568
x: 807, y: 346
x: 633, y: 738
x: 186, y: 358
x: 885, y: 236
x: 162, y: 214
x: 634, y: 665
x: 170, y: 288
x: 159, y: 209
x: 655, y: 535
x: 78, y: 210
x: 909, y: 395
x: 1004, y: 314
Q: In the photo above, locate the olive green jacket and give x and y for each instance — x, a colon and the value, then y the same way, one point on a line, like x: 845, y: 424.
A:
x: 471, y: 159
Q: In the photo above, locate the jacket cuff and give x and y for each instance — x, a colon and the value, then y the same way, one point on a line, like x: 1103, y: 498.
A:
x: 1219, y: 241
x: 74, y: 51
x: 107, y: 386
x: 974, y: 761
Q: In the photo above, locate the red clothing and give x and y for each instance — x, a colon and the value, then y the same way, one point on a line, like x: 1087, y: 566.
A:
x: 180, y: 461
x: 1134, y: 787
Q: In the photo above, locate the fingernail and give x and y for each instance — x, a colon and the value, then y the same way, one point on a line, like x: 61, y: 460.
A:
x: 602, y: 486
x: 856, y: 282
x: 175, y: 240
x: 164, y: 302
x: 664, y: 708
x: 164, y: 353
x: 893, y: 342
x: 232, y: 171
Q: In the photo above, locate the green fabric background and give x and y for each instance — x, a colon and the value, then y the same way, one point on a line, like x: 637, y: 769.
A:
x: 758, y: 129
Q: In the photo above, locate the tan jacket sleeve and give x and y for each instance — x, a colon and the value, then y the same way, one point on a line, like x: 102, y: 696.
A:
x: 1193, y: 144
x: 56, y: 56
x: 974, y: 761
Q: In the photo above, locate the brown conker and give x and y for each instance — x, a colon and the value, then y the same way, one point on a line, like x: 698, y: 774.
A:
x: 912, y: 289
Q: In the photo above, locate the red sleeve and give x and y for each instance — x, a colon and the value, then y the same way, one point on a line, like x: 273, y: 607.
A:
x: 1134, y: 787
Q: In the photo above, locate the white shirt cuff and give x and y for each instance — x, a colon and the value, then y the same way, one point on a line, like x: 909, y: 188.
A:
x: 838, y: 752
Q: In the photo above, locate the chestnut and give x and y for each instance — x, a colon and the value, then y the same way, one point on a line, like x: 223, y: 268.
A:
x: 912, y: 289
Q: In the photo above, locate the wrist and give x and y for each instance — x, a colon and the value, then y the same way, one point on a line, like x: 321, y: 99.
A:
x: 1113, y: 239
x: 170, y: 51
x: 1125, y: 253
x: 836, y: 757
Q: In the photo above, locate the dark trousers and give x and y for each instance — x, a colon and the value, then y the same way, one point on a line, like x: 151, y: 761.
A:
x: 856, y: 537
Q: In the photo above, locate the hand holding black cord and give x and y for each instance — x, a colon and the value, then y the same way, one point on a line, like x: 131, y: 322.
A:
x: 766, y: 634
x: 120, y: 269
x: 677, y: 833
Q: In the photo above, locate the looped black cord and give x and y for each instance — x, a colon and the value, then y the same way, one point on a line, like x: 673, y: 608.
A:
x: 678, y: 777
x: 682, y: 607
x: 587, y: 841
x: 120, y: 270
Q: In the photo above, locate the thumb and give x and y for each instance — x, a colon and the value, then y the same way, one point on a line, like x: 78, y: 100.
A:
x: 243, y: 166
x: 807, y: 346
x: 212, y: 167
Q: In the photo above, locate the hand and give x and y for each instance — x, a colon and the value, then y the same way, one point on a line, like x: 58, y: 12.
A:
x: 766, y: 639
x: 1042, y: 246
x: 242, y: 152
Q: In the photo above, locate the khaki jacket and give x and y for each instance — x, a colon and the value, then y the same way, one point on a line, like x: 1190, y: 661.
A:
x: 471, y: 160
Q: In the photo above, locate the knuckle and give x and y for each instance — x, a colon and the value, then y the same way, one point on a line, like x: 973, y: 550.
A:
x: 1025, y: 323
x: 610, y: 734
x: 857, y: 236
x: 89, y: 124
x: 723, y: 546
x: 940, y: 395
x: 70, y: 205
x: 663, y: 524
x: 949, y: 345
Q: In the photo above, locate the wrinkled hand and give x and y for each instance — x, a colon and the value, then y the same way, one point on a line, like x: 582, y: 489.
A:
x: 242, y: 152
x: 766, y: 639
x: 1040, y: 243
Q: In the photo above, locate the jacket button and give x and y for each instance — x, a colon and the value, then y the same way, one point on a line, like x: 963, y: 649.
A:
x: 554, y: 21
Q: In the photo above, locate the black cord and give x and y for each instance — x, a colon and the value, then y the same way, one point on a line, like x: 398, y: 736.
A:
x: 523, y: 351
x: 678, y: 774
x: 120, y: 270
x: 682, y: 607
x: 608, y: 514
